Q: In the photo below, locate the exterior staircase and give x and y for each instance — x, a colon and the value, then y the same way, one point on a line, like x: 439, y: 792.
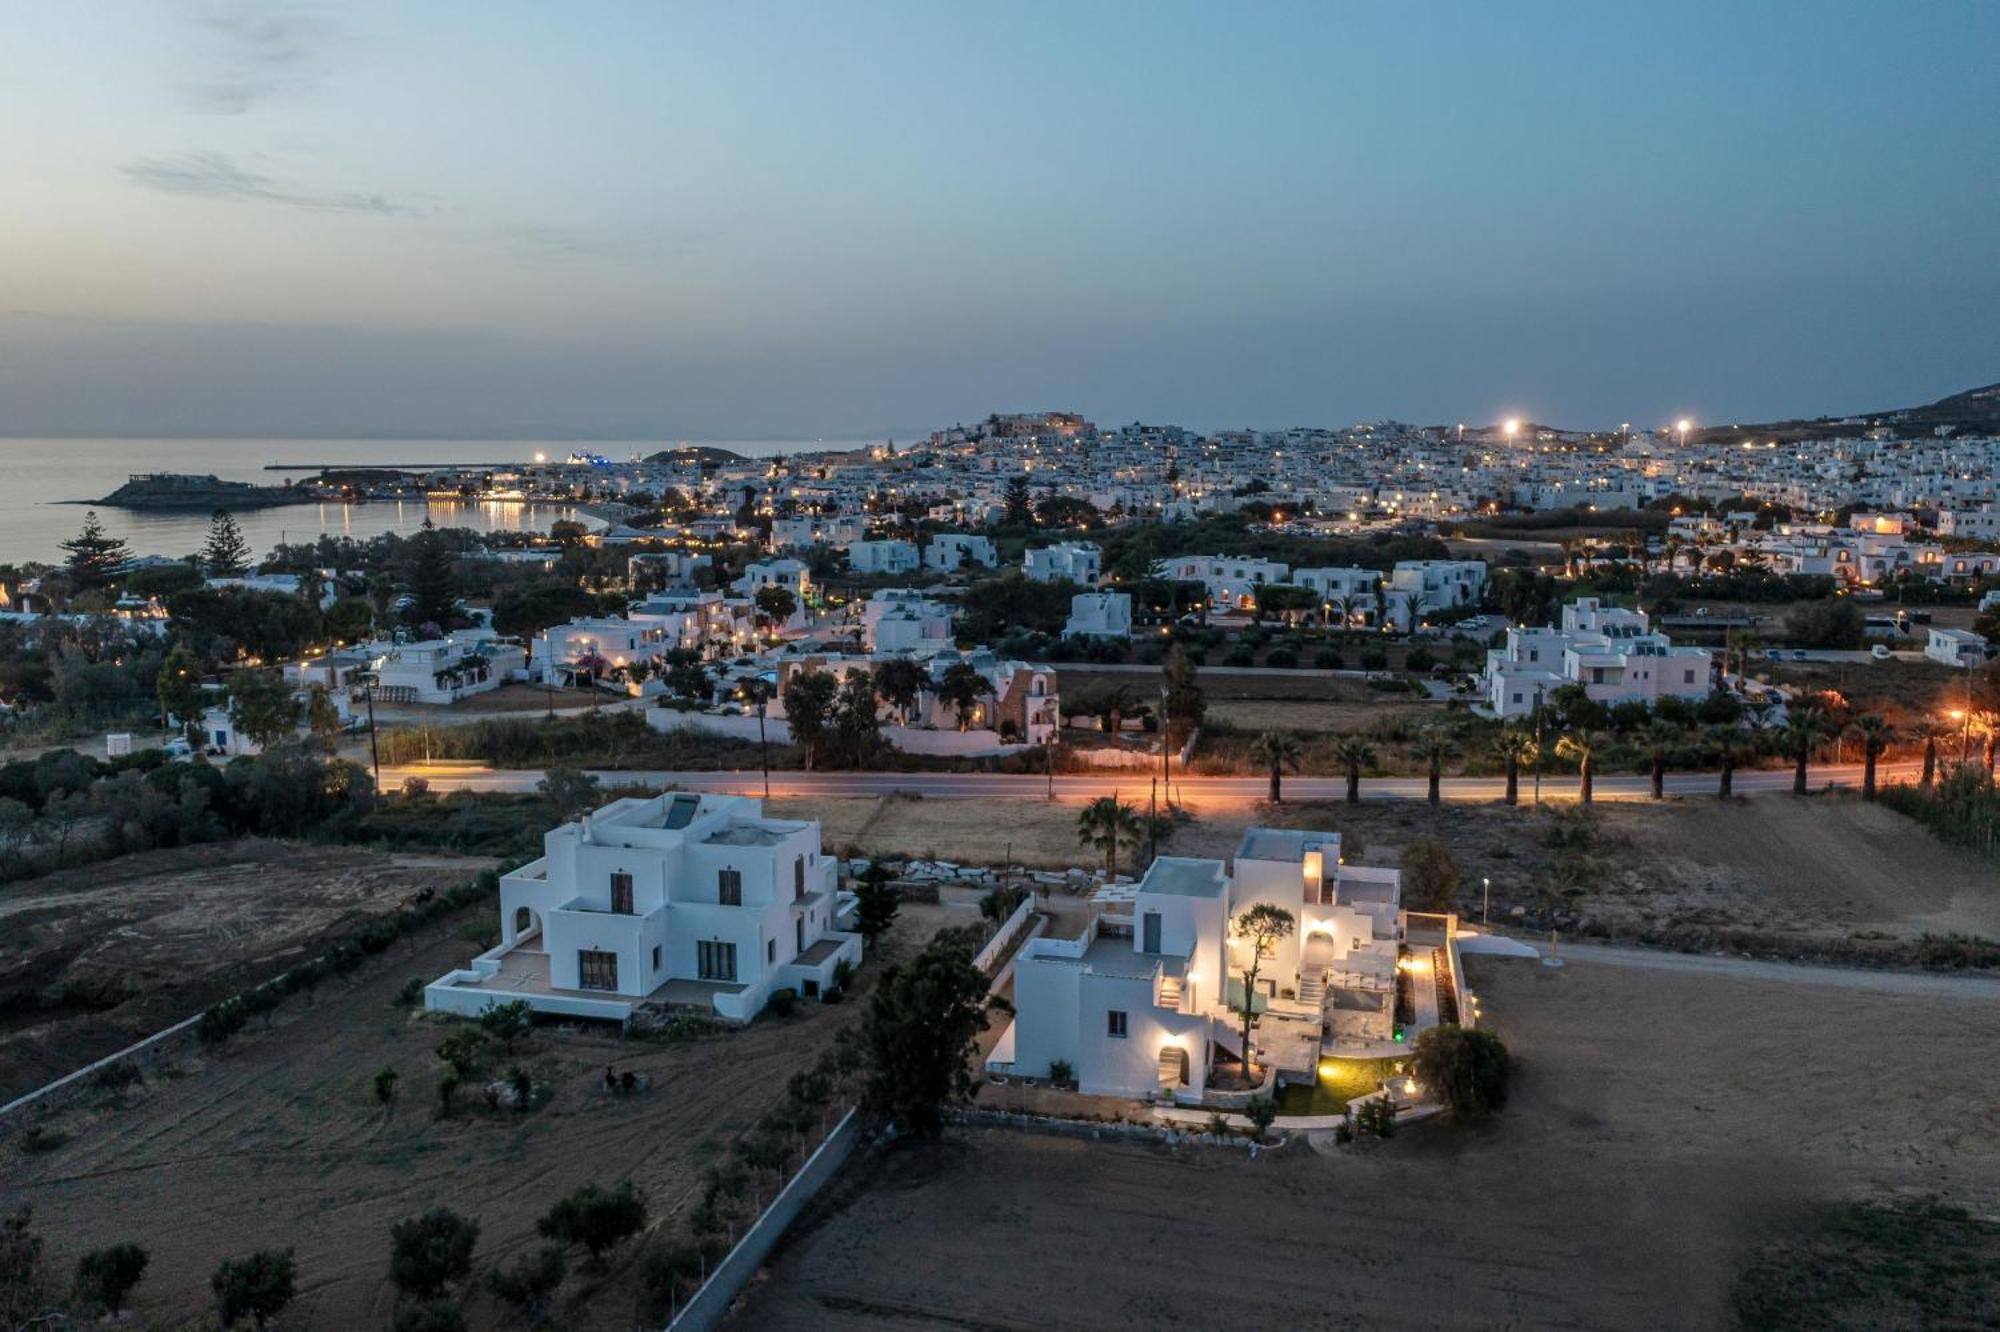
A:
x: 1170, y: 1067
x: 1170, y: 993
x: 1312, y: 987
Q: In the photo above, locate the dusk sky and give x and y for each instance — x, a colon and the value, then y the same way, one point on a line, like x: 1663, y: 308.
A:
x: 845, y: 220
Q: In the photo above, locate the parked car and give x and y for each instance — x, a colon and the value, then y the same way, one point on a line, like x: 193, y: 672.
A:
x: 1880, y: 652
x: 1799, y: 654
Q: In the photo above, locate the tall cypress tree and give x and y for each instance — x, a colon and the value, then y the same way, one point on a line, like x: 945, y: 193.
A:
x: 433, y: 588
x: 227, y: 554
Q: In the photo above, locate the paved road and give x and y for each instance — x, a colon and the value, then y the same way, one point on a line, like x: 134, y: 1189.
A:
x: 1133, y: 782
x: 1946, y: 984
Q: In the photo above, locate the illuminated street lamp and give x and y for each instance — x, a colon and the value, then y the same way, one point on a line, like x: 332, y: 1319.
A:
x: 1683, y: 426
x: 1510, y: 427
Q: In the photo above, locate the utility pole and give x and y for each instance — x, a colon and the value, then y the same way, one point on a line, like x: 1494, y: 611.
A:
x: 1538, y: 744
x: 1153, y: 824
x: 374, y: 749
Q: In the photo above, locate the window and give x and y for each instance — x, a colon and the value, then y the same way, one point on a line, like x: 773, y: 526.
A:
x: 621, y: 893
x: 729, y: 887
x: 714, y: 961
x: 770, y: 950
x: 799, y: 879
x: 1114, y: 1023
x: 656, y: 957
x: 596, y: 970
x: 1689, y: 679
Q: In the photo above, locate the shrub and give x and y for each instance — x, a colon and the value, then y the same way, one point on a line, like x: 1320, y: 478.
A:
x: 1062, y: 1073
x: 1326, y: 659
x: 104, y: 1277
x: 428, y: 1253
x: 384, y: 1083
x: 117, y: 1076
x: 507, y: 1023
x: 1218, y: 1124
x: 1430, y: 875
x: 257, y: 1287
x: 1464, y: 1068
x: 430, y: 1316
x: 38, y: 1140
x: 1261, y: 1110
x: 411, y: 993
x: 1377, y: 1117
x: 1374, y: 659
x: 462, y: 1049
x: 596, y: 1217
x: 531, y: 1282
x: 780, y: 1004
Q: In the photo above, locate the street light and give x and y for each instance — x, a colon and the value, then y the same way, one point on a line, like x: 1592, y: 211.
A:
x: 1486, y: 901
x: 1683, y: 426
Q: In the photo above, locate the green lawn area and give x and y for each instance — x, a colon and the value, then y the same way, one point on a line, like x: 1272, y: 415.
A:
x: 1340, y: 1081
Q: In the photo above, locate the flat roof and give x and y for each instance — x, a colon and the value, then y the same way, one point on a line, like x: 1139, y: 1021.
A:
x: 1181, y: 876
x: 1284, y: 844
x: 1112, y: 955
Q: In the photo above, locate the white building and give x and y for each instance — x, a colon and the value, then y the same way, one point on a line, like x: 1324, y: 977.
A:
x: 883, y: 557
x: 1614, y: 654
x: 1232, y: 580
x: 682, y: 899
x: 951, y: 551
x: 1143, y: 1002
x: 1079, y: 561
x: 1099, y: 615
x: 1956, y: 647
x: 1416, y: 586
x: 1346, y: 595
x: 444, y: 670
x: 620, y: 642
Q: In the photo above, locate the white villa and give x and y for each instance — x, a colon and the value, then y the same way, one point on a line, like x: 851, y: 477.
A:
x: 1079, y: 561
x: 682, y: 899
x: 1614, y: 654
x: 444, y: 670
x: 883, y: 557
x: 949, y: 552
x: 620, y: 642
x: 1099, y: 615
x: 1148, y: 998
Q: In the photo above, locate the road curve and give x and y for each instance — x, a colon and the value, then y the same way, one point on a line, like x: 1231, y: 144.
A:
x: 1132, y: 783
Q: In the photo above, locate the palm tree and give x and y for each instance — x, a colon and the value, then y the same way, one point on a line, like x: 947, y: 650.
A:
x: 1582, y: 745
x: 1276, y: 750
x: 1930, y: 730
x: 1435, y: 747
x: 1354, y: 753
x: 1661, y: 740
x: 1804, y: 728
x: 1107, y: 823
x: 1728, y: 742
x: 1116, y: 700
x: 1513, y: 745
x: 1875, y: 734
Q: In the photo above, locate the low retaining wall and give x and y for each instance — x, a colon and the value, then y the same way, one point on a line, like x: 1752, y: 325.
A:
x: 705, y: 1309
x: 1098, y: 1130
x: 153, y: 1049
x: 1004, y: 936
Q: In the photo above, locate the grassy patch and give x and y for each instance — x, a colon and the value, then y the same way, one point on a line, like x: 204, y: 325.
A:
x: 1339, y: 1081
x: 1868, y: 1265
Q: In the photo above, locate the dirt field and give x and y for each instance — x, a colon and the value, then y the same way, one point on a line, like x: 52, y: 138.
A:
x: 93, y: 958
x: 1771, y: 875
x: 1648, y: 1145
x: 277, y: 1141
x: 1253, y: 715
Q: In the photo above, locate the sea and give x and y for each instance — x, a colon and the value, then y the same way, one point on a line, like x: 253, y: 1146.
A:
x: 41, y: 480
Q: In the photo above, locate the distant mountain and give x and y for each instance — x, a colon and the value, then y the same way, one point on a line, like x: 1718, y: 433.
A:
x: 1973, y: 412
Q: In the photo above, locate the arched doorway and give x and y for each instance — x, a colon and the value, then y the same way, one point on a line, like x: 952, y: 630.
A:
x: 526, y: 923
